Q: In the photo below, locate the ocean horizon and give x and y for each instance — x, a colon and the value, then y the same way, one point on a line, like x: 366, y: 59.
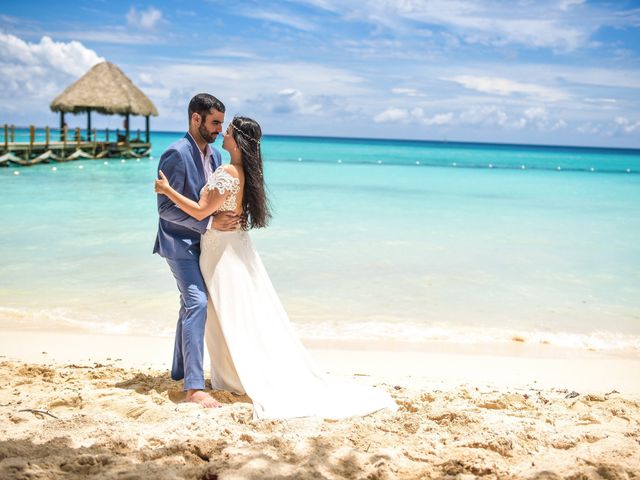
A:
x: 488, y: 242
x: 22, y: 134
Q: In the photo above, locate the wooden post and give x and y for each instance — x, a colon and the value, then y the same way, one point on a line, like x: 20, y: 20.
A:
x: 61, y: 125
x: 32, y: 137
x: 13, y: 134
x: 78, y: 136
x: 106, y: 135
x: 89, y: 125
x: 147, y: 127
x: 126, y: 124
x: 6, y: 137
x: 46, y: 132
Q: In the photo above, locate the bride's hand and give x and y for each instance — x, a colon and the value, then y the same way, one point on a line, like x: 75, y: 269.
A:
x: 162, y: 184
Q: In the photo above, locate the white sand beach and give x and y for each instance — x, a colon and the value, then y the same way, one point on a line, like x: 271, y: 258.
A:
x: 78, y: 406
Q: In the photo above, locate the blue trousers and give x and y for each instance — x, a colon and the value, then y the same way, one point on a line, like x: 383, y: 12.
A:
x: 188, y: 352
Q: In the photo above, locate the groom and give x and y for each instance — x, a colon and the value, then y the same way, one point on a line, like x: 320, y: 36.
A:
x: 187, y: 165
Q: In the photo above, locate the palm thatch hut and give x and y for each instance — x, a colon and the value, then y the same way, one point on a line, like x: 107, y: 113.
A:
x: 104, y: 89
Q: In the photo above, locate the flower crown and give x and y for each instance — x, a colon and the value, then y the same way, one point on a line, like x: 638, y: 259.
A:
x: 257, y: 142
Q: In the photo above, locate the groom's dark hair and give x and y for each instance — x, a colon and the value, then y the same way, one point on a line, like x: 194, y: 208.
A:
x: 202, y: 103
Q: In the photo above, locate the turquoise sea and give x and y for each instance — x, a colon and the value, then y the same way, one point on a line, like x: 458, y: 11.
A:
x: 371, y: 239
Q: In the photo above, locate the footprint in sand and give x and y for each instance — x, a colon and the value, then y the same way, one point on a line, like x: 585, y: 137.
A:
x: 511, y: 401
x: 500, y: 445
x: 136, y: 412
x: 73, y: 401
x: 86, y: 464
x: 563, y: 443
x: 452, y: 418
x: 176, y: 396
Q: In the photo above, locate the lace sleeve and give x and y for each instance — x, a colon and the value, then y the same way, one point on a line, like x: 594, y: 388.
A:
x: 223, y: 181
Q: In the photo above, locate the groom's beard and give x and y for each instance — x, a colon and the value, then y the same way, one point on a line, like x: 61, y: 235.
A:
x: 206, y: 135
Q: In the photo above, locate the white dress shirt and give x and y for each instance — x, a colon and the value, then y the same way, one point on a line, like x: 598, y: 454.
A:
x: 206, y: 157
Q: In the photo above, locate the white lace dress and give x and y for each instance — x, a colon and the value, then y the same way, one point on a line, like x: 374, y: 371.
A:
x: 252, y: 344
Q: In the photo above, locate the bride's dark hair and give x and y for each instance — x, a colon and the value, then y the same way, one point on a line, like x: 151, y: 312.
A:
x: 255, y: 206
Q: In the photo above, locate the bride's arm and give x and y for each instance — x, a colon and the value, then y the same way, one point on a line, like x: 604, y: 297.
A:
x: 210, y: 200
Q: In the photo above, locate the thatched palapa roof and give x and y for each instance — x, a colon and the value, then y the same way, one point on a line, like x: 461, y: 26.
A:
x: 104, y: 89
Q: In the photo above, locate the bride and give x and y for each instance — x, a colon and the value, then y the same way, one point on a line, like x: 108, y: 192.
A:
x: 253, y: 346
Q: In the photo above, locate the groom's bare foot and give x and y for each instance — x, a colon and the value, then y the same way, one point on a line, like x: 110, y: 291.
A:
x: 202, y: 398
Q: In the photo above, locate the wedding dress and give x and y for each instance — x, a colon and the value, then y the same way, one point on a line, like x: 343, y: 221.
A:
x: 252, y: 344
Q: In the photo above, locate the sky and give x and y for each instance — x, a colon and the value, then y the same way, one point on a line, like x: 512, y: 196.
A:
x: 563, y: 72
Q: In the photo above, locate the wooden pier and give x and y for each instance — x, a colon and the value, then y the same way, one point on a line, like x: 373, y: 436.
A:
x: 103, y: 89
x: 31, y: 146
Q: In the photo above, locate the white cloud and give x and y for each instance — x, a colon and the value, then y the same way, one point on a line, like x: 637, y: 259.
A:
x: 116, y: 35
x: 403, y: 115
x: 626, y: 125
x: 561, y: 26
x: 257, y: 88
x: 535, y: 113
x: 565, y: 5
x: 439, y: 119
x: 146, y: 19
x: 567, y: 81
x: 600, y: 77
x: 379, y: 48
x: 250, y: 78
x: 404, y: 91
x: 476, y: 116
x: 539, y: 33
x: 10, y: 20
x: 391, y: 114
x: 541, y: 119
x: 228, y: 53
x: 505, y: 87
x: 588, y: 128
x: 284, y: 18
x: 520, y: 123
x: 558, y: 125
x: 145, y: 79
x: 601, y: 100
x: 32, y: 74
x: 484, y: 115
x: 292, y: 101
x: 71, y: 58
x: 409, y: 92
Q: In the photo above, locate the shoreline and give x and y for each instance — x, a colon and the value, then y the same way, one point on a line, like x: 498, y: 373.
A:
x: 374, y: 336
x: 425, y: 365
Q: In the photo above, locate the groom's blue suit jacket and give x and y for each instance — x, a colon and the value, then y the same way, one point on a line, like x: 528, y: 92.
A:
x: 178, y: 233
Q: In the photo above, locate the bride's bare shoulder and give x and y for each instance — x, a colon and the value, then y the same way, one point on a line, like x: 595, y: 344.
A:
x: 231, y: 170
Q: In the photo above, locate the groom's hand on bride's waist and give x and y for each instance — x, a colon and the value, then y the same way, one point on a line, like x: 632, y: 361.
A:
x: 225, y: 221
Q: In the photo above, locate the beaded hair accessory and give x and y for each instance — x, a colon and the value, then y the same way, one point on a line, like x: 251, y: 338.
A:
x: 247, y: 137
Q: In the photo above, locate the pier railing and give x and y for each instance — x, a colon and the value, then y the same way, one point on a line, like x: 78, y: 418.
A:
x: 32, y: 145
